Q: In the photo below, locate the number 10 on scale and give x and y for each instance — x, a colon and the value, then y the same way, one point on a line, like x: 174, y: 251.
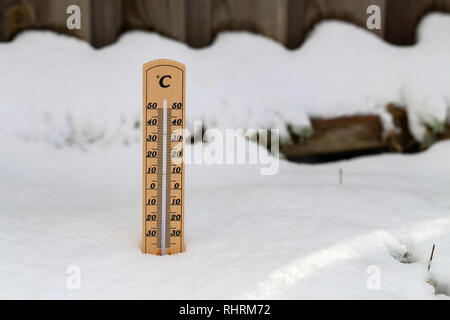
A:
x: 163, y: 154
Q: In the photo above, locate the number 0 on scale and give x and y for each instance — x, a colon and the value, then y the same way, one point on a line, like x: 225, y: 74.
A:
x: 163, y: 155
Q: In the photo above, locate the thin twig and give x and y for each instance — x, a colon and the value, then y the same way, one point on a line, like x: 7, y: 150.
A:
x: 431, y: 259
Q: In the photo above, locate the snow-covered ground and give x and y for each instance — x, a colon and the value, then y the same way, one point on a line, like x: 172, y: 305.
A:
x: 296, y: 234
x: 59, y: 89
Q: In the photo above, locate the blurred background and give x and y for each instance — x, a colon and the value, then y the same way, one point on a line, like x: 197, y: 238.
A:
x: 197, y: 23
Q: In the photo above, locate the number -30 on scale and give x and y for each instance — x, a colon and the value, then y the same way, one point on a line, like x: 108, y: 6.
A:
x: 163, y: 154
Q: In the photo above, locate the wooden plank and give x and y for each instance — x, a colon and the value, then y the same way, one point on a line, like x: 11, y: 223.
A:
x: 53, y: 16
x: 442, y: 5
x: 402, y: 17
x: 198, y: 23
x: 354, y: 11
x: 15, y: 16
x: 266, y: 17
x: 340, y: 135
x: 18, y: 15
x: 106, y: 22
x: 295, y: 23
x: 166, y: 17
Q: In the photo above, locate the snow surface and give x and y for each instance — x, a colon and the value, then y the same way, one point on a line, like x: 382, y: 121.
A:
x: 298, y: 234
x: 59, y: 89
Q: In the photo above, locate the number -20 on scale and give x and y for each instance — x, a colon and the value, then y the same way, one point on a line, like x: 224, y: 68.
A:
x: 164, y: 102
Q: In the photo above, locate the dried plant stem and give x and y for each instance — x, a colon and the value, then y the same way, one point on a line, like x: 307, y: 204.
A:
x: 431, y: 258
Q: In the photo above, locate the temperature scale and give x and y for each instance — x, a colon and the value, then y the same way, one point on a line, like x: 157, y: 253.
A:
x: 163, y: 154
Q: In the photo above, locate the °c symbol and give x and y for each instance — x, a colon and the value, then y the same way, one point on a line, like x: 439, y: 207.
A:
x: 161, y: 81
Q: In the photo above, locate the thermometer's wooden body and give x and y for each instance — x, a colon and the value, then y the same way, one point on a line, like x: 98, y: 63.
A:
x: 163, y: 154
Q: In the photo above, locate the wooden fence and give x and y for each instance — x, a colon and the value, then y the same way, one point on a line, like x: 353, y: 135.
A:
x: 197, y: 22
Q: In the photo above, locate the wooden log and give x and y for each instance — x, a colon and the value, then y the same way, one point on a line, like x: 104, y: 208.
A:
x: 361, y: 133
x: 336, y: 135
x: 400, y: 139
x: 446, y: 132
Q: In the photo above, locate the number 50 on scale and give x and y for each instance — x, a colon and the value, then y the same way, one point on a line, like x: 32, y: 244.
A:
x: 163, y: 156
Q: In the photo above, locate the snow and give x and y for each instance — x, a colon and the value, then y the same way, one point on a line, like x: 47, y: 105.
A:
x: 60, y: 90
x: 296, y: 234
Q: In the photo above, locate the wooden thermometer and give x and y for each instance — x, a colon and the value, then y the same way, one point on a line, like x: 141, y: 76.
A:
x: 163, y: 154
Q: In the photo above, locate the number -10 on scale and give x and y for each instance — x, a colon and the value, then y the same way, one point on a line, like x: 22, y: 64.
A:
x: 163, y: 154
